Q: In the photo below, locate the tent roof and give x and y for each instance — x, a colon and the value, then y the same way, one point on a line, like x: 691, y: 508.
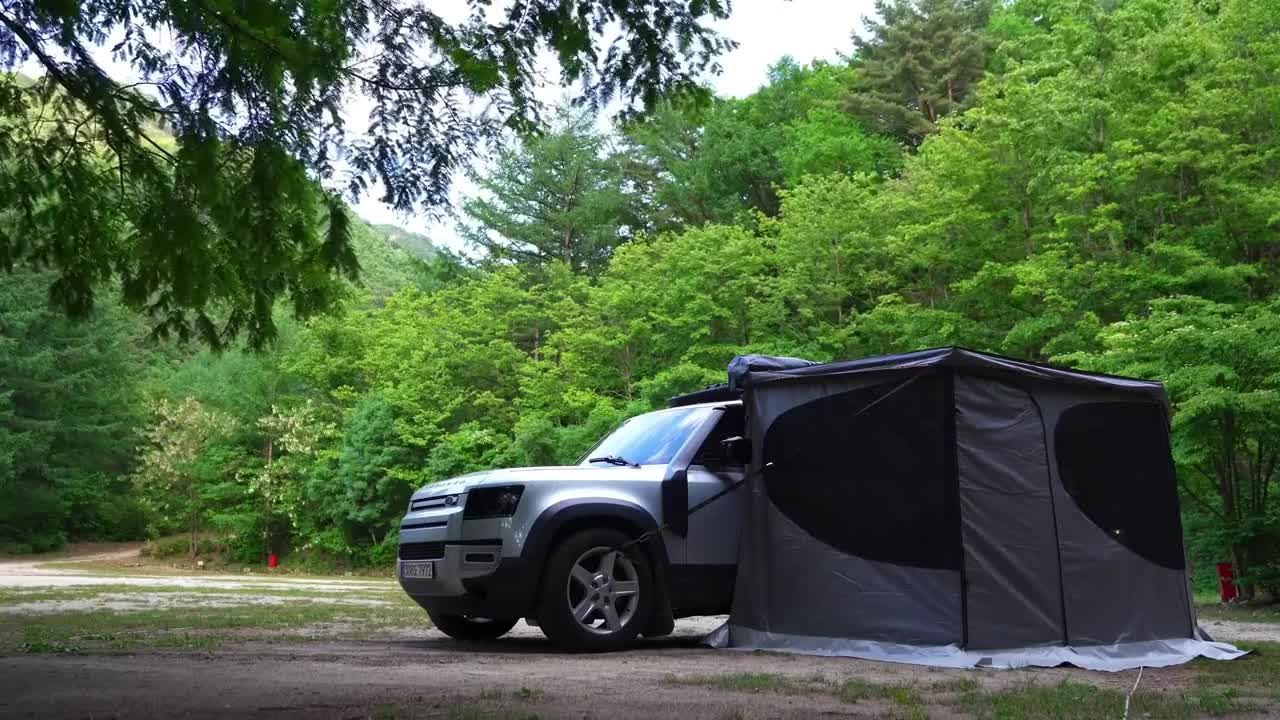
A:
x: 754, y: 370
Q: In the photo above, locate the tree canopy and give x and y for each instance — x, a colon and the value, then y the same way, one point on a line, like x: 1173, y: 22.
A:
x: 1103, y: 196
x: 920, y: 61
x: 196, y: 182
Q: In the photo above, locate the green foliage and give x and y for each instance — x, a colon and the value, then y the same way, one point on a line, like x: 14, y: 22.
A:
x: 556, y: 196
x: 192, y: 186
x: 694, y: 165
x: 920, y: 63
x: 1103, y: 195
x: 178, y: 472
x: 69, y: 403
x: 372, y: 495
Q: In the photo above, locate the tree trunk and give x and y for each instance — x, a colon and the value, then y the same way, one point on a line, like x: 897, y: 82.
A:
x: 839, y: 273
x: 626, y: 371
x: 195, y: 521
x: 195, y: 536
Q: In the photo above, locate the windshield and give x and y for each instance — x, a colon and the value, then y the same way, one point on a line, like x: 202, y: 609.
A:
x: 649, y: 439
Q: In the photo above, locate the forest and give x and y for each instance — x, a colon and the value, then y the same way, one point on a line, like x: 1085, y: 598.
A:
x: 1094, y: 184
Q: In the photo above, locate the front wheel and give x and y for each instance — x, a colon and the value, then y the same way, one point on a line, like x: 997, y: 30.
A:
x: 595, y: 597
x: 462, y: 627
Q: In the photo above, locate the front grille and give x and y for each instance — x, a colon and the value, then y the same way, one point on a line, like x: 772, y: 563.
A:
x: 423, y: 525
x: 430, y: 503
x: 422, y: 551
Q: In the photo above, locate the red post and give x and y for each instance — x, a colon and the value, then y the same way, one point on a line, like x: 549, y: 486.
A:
x: 1226, y: 582
x: 273, y: 561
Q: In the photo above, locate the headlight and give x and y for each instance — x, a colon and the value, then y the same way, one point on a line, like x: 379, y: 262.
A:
x: 492, y: 502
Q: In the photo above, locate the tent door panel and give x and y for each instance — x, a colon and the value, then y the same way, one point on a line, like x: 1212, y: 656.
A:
x: 1117, y: 514
x: 1013, y: 583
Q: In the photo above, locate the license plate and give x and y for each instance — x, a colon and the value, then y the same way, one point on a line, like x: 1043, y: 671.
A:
x: 418, y: 570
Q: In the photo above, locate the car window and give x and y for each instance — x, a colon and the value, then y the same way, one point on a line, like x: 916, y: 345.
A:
x: 649, y: 439
x: 732, y: 424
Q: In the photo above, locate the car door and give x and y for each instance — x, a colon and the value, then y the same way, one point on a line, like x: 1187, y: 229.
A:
x: 711, y: 549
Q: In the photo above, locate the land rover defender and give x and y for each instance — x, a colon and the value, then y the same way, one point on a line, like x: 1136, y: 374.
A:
x: 594, y: 553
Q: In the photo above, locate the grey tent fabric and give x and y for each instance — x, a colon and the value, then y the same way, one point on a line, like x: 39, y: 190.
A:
x: 1014, y: 597
x: 956, y: 508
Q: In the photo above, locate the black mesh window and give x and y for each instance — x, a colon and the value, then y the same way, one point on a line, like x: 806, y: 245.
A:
x: 866, y: 472
x: 1113, y: 459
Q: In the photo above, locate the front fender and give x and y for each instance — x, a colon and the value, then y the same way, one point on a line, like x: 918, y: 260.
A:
x: 569, y: 512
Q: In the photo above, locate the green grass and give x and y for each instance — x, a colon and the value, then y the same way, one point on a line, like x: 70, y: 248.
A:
x: 954, y: 685
x: 749, y: 682
x: 150, y: 567
x: 1249, y: 685
x: 467, y: 712
x: 192, y: 626
x: 19, y: 596
x: 851, y: 691
x: 903, y: 696
x: 1068, y: 700
x: 1254, y: 677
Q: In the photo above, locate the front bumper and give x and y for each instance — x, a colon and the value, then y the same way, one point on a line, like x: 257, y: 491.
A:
x: 454, y: 565
x: 470, y: 574
x: 508, y: 591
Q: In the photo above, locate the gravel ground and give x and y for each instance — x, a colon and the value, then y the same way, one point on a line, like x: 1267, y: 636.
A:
x: 1237, y: 631
x: 420, y: 673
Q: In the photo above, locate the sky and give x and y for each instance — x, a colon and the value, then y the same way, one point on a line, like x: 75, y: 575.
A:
x: 765, y: 31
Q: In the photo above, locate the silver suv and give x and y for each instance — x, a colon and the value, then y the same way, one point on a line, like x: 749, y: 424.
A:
x: 594, y: 553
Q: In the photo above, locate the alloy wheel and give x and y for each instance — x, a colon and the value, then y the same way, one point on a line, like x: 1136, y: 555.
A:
x: 603, y: 590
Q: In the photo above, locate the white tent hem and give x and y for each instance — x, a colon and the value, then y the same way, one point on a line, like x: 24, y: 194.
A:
x: 1109, y: 658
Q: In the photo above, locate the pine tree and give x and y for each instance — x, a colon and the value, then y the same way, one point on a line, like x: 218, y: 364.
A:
x: 919, y: 63
x: 68, y: 402
x: 552, y: 197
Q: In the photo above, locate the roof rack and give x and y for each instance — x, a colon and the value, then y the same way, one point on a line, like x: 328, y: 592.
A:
x: 712, y: 393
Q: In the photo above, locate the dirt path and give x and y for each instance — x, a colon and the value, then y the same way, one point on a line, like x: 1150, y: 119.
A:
x: 515, y: 677
x: 30, y: 565
x: 38, y: 572
x: 420, y: 673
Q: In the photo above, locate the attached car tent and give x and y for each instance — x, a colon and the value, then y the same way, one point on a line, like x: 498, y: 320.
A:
x: 954, y: 508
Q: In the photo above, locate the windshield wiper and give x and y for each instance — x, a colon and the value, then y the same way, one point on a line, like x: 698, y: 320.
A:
x: 613, y: 460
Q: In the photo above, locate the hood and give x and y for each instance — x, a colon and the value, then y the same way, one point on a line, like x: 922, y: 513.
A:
x: 553, y: 473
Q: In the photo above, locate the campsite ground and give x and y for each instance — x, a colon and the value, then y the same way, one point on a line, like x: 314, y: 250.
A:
x: 106, y: 635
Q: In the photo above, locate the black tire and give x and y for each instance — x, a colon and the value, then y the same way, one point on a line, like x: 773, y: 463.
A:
x: 559, y: 594
x: 461, y: 627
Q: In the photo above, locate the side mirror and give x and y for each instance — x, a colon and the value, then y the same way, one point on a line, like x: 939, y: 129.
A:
x: 675, y: 502
x: 736, y: 450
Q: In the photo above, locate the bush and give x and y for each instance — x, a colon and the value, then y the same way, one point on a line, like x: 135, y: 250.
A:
x: 46, y: 540
x: 123, y: 518
x: 32, y: 516
x: 384, y: 553
x: 98, y: 508
x: 180, y: 546
x: 169, y: 547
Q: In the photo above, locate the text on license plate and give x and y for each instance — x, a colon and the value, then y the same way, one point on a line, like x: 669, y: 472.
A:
x: 420, y: 570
